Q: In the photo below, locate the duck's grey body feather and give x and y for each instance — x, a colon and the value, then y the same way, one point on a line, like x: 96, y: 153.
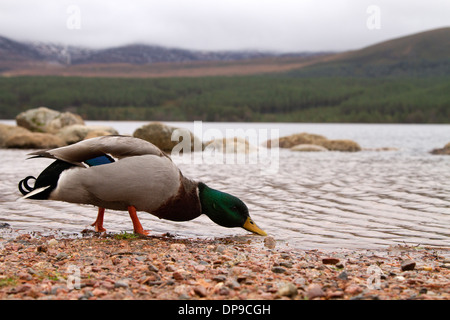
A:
x: 118, y: 185
x: 117, y: 146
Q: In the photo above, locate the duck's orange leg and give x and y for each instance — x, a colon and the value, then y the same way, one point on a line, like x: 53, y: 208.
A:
x: 98, y: 224
x: 136, y: 223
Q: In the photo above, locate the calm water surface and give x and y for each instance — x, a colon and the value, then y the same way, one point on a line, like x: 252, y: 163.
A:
x: 329, y: 200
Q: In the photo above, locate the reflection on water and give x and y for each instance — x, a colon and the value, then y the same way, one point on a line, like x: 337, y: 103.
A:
x: 315, y: 200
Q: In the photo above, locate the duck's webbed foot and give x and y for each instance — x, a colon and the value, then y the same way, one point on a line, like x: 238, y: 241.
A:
x: 137, y: 227
x: 98, y: 224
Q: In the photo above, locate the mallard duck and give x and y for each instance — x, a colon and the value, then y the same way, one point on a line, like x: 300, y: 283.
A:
x: 130, y: 174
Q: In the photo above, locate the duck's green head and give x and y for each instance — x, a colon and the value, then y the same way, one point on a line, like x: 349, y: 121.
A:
x: 226, y: 210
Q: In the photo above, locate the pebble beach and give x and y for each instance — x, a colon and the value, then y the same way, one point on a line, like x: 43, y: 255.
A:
x: 127, y: 267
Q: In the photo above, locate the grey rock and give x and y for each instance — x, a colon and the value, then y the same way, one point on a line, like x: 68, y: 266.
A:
x: 408, y: 265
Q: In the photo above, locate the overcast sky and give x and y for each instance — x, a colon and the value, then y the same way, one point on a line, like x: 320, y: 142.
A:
x: 277, y: 25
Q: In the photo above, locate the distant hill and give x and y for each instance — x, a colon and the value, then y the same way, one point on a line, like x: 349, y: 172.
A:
x: 47, y: 58
x: 147, y: 54
x: 421, y: 54
x: 14, y: 54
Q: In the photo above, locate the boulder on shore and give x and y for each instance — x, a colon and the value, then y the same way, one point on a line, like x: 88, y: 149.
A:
x: 315, y: 139
x: 341, y: 145
x: 442, y: 151
x: 231, y: 145
x: 161, y: 136
x: 43, y: 119
x: 34, y: 140
x: 298, y: 138
x: 75, y: 133
x: 308, y: 148
x: 7, y: 131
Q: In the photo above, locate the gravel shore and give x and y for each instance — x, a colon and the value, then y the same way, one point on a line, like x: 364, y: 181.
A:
x: 125, y: 267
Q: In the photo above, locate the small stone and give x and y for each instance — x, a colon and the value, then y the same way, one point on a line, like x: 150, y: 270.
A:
x: 200, y: 291
x: 99, y: 292
x: 200, y: 268
x: 177, y: 275
x: 52, y: 242
x: 278, y: 269
x: 408, y: 265
x: 335, y: 294
x: 343, y: 276
x: 108, y: 285
x: 121, y: 284
x: 233, y: 284
x: 61, y: 256
x: 288, y: 290
x: 353, y: 289
x: 330, y: 260
x: 224, y: 291
x: 41, y: 248
x: 170, y: 268
x: 178, y: 246
x: 269, y: 242
x: 314, y: 291
x: 220, y: 278
x: 24, y: 276
x: 220, y: 248
x: 152, y: 268
x: 286, y: 264
x: 21, y: 288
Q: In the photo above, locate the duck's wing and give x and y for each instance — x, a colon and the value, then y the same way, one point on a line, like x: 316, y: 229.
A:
x: 101, y: 150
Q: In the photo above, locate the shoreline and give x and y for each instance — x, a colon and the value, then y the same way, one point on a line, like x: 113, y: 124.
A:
x: 125, y: 267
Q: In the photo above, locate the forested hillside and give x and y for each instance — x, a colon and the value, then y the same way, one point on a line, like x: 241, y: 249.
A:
x: 249, y: 98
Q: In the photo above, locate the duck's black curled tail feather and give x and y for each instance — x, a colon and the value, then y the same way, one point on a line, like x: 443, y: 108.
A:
x: 24, y: 188
x: 46, y: 182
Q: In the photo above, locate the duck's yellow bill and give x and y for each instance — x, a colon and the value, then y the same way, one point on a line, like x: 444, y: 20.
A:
x: 251, y: 226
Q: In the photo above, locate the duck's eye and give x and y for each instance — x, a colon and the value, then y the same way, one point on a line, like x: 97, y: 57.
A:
x: 234, y: 208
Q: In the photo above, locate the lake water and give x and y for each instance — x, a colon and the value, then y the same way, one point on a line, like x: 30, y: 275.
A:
x: 327, y: 200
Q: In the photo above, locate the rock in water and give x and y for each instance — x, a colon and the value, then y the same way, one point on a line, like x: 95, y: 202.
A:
x: 442, y: 151
x: 46, y: 120
x: 341, y: 145
x: 7, y: 131
x: 34, y: 140
x: 318, y: 140
x: 161, y: 136
x: 308, y: 148
x: 231, y: 145
x: 75, y: 133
